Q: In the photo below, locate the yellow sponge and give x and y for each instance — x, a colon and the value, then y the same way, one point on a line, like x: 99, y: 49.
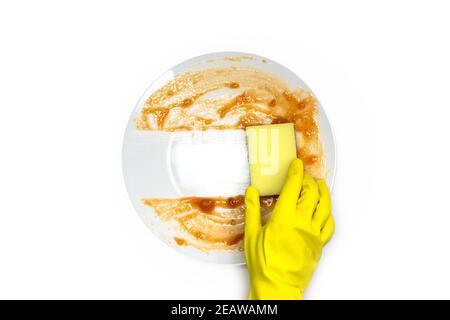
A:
x: 271, y: 149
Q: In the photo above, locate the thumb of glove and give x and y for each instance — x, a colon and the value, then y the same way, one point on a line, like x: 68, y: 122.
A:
x: 252, y: 214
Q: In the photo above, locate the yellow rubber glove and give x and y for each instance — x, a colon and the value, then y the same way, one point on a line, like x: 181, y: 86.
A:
x: 283, y: 254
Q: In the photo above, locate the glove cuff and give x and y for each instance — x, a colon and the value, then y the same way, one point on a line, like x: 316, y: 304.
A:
x: 272, y: 289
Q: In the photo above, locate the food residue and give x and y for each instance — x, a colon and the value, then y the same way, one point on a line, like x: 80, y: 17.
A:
x: 227, y: 98
x: 179, y: 241
x: 217, y: 226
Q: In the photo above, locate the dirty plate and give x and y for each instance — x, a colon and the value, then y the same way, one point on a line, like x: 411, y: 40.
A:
x: 207, y: 163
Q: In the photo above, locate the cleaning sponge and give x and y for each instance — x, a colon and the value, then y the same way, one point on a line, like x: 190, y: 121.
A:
x: 271, y: 149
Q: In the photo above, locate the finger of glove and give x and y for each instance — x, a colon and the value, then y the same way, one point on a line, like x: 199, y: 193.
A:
x: 291, y: 190
x: 323, y: 210
x: 309, y: 197
x: 327, y: 231
x: 252, y: 213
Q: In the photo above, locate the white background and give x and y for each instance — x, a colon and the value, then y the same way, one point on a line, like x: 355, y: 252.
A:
x: 71, y: 73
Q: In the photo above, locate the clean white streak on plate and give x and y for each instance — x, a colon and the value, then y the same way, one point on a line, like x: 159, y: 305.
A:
x: 209, y: 163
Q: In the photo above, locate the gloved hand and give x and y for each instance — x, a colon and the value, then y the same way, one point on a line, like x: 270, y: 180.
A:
x: 283, y: 254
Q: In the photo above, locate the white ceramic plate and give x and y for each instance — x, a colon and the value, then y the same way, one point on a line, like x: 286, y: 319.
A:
x: 152, y: 163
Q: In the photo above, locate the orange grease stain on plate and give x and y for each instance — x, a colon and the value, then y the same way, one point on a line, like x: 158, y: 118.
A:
x: 208, y: 223
x: 227, y: 98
